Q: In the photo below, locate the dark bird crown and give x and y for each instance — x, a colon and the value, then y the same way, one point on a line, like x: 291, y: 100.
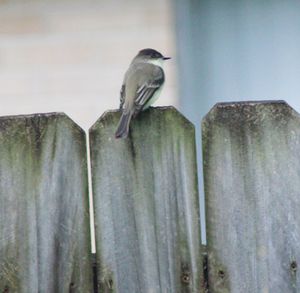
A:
x: 150, y: 53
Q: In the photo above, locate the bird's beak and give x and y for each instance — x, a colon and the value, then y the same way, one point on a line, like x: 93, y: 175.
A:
x: 166, y: 58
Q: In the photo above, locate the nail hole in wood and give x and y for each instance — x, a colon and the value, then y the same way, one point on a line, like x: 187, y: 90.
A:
x: 110, y: 283
x: 221, y: 274
x: 185, y: 278
x: 293, y: 266
x: 71, y: 287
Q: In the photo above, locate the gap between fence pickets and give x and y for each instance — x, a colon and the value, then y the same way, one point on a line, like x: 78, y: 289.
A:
x: 90, y: 192
x: 92, y: 214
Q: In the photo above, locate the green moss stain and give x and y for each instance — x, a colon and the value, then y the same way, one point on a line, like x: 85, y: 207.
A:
x: 27, y: 144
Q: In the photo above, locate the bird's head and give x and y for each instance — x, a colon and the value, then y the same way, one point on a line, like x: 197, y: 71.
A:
x: 151, y: 56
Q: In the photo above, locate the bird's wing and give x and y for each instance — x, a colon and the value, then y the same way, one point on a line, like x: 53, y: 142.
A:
x: 147, y: 86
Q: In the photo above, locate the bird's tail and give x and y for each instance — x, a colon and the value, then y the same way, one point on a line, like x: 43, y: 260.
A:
x: 123, y: 126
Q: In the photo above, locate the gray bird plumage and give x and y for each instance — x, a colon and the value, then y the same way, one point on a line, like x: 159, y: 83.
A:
x: 141, y: 87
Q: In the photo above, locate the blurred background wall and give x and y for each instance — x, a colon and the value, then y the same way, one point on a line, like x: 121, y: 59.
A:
x: 236, y: 50
x: 230, y: 50
x: 71, y: 55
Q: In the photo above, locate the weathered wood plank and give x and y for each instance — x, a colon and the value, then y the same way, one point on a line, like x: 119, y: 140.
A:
x: 44, y: 219
x: 146, y: 204
x: 252, y: 189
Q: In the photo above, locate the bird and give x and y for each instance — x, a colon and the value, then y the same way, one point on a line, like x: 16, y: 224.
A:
x: 142, y: 85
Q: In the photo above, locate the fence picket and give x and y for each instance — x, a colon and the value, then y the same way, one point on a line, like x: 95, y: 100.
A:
x: 252, y: 188
x: 146, y: 204
x: 44, y: 218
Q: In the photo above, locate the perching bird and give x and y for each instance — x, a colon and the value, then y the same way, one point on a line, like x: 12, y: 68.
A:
x: 141, y: 87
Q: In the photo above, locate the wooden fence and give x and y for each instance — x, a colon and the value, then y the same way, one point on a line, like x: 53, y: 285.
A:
x: 146, y: 203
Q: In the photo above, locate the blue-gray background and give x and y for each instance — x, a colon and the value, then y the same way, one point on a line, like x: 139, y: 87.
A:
x: 236, y: 50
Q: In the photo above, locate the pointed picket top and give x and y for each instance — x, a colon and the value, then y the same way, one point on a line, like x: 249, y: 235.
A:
x: 245, y: 110
x: 109, y: 115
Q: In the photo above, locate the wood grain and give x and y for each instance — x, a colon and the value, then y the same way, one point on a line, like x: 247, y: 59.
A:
x: 146, y: 204
x: 44, y: 219
x: 252, y: 176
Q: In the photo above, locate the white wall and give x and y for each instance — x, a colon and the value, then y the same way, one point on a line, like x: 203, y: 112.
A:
x: 71, y: 55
